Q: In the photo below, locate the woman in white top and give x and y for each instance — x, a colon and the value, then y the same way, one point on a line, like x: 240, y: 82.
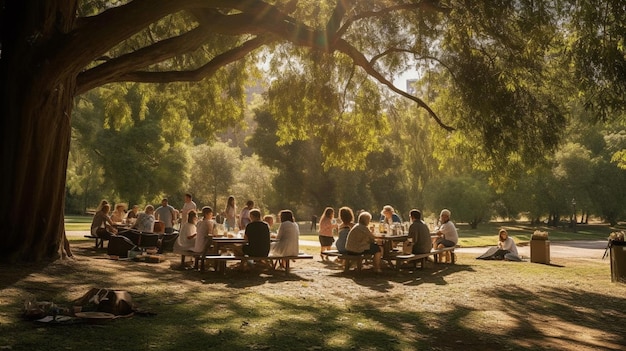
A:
x: 206, y: 229
x: 505, y: 250
x: 187, y: 237
x: 287, y: 240
x: 506, y: 243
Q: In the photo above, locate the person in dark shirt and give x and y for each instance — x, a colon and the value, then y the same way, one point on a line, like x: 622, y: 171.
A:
x: 257, y: 236
x: 419, y: 233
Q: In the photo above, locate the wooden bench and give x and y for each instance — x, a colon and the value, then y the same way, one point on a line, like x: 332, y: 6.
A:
x: 99, y: 241
x: 349, y: 260
x: 274, y: 261
x: 421, y: 258
x: 196, y: 257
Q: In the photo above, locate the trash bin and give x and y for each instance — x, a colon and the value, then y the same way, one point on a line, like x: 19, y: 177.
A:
x: 618, y: 261
x: 540, y: 248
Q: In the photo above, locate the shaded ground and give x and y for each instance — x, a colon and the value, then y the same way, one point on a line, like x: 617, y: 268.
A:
x: 473, y: 305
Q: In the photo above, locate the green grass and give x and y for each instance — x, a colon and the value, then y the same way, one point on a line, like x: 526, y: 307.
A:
x: 485, y: 235
x: 483, y: 304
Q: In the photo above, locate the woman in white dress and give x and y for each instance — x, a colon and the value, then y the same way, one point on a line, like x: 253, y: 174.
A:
x: 187, y: 237
x: 287, y: 239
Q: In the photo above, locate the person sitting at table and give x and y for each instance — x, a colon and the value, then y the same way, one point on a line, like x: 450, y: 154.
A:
x: 362, y: 241
x: 133, y: 213
x: 256, y: 236
x: 347, y: 222
x: 287, y: 240
x: 101, y: 224
x: 269, y: 219
x: 119, y: 214
x: 102, y: 203
x: 447, y: 234
x: 244, y: 216
x: 205, y: 230
x: 188, y: 232
x: 389, y: 216
x: 419, y: 233
x: 505, y: 250
x: 145, y: 220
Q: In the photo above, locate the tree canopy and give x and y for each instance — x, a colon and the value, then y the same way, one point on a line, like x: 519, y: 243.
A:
x: 331, y: 66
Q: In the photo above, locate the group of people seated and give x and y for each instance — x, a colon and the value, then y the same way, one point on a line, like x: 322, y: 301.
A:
x: 359, y: 238
x: 106, y: 223
x: 196, y: 234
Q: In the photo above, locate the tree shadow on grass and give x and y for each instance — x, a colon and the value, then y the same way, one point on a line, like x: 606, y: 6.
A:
x: 229, y: 313
x: 431, y: 274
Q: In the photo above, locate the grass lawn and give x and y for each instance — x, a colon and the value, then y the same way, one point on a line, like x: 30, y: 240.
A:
x: 472, y: 305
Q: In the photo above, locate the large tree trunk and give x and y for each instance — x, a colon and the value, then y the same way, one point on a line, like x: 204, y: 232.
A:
x: 35, y: 105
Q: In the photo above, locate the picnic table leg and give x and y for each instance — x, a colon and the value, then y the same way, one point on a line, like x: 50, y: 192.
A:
x: 287, y: 266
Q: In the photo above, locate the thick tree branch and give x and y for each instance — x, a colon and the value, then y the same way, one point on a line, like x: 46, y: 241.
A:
x: 141, y: 58
x: 360, y: 60
x: 93, y: 36
x: 206, y: 70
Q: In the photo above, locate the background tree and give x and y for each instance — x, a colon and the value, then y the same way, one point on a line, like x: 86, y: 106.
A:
x: 343, y: 52
x: 468, y: 198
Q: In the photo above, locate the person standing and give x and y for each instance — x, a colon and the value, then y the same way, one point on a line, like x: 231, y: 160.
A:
x: 419, y: 233
x: 362, y: 241
x: 166, y: 214
x: 314, y: 223
x: 244, y: 217
x: 189, y: 205
x: 230, y: 214
x: 326, y: 227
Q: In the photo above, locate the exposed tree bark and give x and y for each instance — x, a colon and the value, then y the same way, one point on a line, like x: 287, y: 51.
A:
x: 35, y: 105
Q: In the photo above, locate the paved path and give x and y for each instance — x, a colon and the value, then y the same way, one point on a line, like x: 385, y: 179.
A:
x: 558, y: 249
